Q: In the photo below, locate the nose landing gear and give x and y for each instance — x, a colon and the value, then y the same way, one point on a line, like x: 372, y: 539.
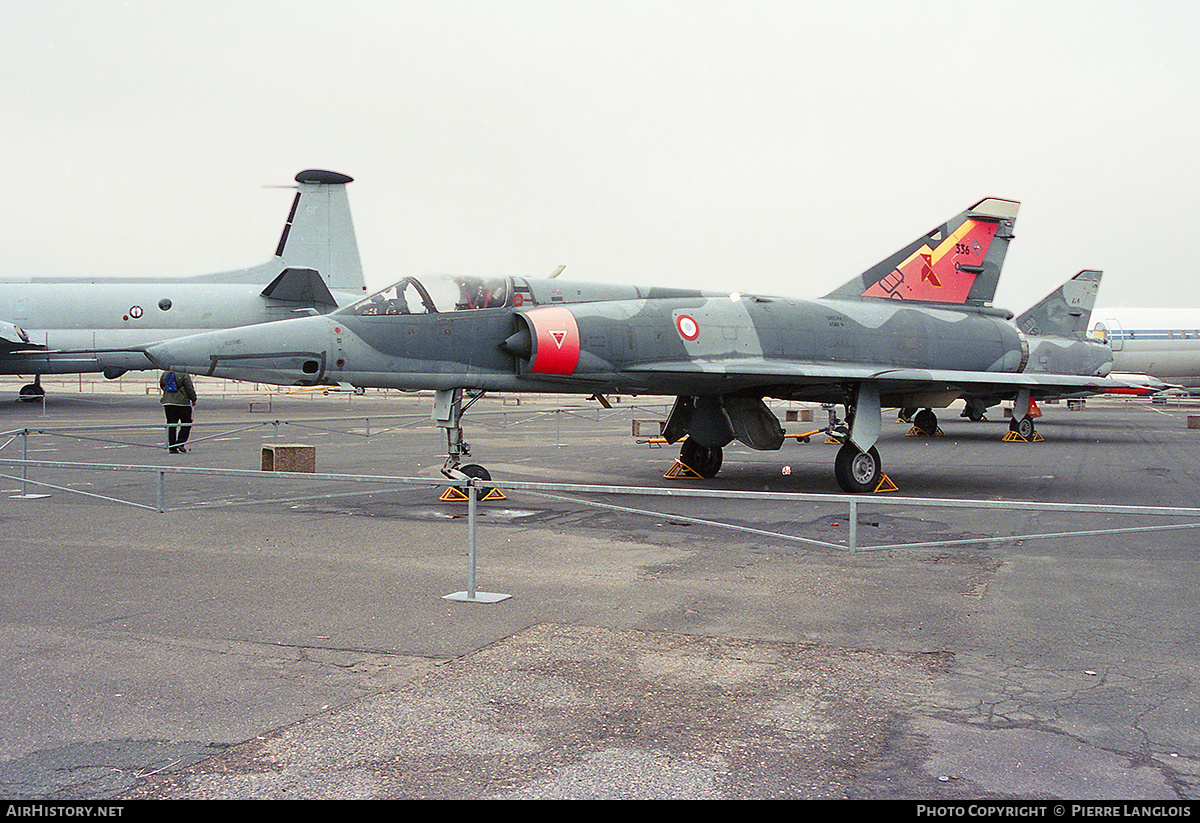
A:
x: 448, y: 409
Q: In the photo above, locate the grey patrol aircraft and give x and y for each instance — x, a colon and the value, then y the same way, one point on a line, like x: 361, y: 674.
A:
x: 76, y: 325
x: 916, y: 330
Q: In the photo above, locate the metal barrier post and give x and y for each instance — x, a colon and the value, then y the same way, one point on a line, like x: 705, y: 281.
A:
x: 25, y: 495
x: 471, y: 595
x: 472, y: 515
x: 24, y: 462
x: 160, y: 492
x: 853, y: 523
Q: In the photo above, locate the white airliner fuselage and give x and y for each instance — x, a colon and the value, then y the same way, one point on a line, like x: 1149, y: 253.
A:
x: 1162, y: 343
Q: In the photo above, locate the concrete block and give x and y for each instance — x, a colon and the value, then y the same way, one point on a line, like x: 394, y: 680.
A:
x: 648, y: 428
x: 289, y: 457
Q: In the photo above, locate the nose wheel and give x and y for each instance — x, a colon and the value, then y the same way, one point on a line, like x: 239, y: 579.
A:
x: 472, y: 471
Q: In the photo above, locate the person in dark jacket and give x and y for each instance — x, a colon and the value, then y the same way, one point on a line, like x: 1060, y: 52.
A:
x: 178, y: 400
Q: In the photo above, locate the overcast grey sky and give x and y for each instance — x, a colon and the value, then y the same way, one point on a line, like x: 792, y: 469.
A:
x: 777, y: 147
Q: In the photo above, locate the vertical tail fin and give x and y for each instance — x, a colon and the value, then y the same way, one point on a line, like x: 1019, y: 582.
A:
x: 958, y: 263
x: 319, y: 233
x: 1067, y: 311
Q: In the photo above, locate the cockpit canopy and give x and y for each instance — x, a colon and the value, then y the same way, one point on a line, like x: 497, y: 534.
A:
x: 432, y: 295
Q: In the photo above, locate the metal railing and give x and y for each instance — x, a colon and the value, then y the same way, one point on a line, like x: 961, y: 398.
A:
x: 354, y: 426
x: 575, y: 494
x: 852, y: 504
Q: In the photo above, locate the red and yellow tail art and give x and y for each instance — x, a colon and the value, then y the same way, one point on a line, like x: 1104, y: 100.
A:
x: 941, y: 275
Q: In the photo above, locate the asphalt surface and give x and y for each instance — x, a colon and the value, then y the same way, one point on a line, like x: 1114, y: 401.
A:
x: 301, y: 646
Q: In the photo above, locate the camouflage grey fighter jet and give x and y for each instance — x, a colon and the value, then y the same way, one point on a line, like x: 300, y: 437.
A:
x: 69, y: 326
x: 916, y: 330
x: 1056, y: 329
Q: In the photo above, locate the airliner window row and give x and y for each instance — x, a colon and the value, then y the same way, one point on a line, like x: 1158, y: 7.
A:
x: 1155, y: 334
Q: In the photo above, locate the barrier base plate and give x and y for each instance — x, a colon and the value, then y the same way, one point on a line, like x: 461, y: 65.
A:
x: 480, y: 597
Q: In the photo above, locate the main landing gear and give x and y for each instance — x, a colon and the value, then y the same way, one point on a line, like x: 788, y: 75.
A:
x: 926, y: 421
x: 1023, y: 428
x: 701, y: 423
x: 703, y: 460
x: 974, y: 410
x: 857, y: 466
x: 32, y: 392
x: 857, y: 471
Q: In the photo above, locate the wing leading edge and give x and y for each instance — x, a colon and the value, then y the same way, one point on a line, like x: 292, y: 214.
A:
x: 789, y: 378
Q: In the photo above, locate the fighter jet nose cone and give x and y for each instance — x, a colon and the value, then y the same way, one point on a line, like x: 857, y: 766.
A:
x: 283, y: 352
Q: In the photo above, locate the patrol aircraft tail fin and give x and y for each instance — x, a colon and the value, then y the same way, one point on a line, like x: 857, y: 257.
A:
x: 1067, y: 311
x: 956, y: 264
x: 318, y: 235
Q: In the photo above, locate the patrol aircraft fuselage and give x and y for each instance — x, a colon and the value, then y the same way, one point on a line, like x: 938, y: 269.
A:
x: 76, y: 325
x: 915, y: 330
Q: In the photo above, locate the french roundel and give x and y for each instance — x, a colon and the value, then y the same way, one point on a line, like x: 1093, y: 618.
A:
x: 687, y: 326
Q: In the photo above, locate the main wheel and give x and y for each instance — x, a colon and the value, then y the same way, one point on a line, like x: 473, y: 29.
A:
x: 703, y: 460
x: 857, y: 471
x: 926, y: 421
x: 1023, y: 427
x: 31, y: 393
x: 974, y: 410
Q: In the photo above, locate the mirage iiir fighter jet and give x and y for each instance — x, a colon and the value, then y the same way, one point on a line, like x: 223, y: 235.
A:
x: 916, y: 330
